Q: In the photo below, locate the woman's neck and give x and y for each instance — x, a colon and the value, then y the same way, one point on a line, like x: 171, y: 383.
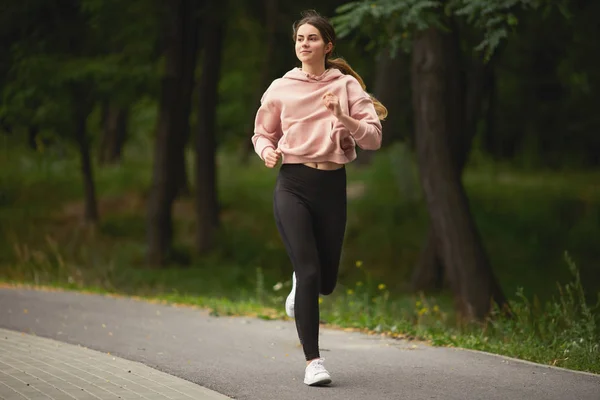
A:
x: 315, y: 70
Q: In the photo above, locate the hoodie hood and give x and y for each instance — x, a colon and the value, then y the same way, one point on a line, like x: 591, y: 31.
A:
x: 327, y: 76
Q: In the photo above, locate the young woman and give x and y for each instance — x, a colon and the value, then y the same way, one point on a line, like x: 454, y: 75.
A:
x: 311, y: 119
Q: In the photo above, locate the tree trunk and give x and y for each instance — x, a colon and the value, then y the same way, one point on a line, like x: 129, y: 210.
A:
x: 429, y: 273
x: 32, y: 133
x: 91, y: 207
x: 190, y: 49
x: 5, y: 127
x: 439, y: 119
x: 166, y: 150
x: 114, y: 126
x: 267, y: 69
x: 207, y: 210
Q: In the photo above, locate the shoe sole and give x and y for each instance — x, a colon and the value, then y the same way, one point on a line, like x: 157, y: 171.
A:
x: 319, y: 382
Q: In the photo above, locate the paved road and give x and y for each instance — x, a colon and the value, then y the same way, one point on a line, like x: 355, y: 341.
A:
x: 246, y: 358
x: 38, y: 368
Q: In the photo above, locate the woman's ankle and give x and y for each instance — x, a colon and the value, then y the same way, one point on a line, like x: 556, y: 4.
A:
x: 311, y: 360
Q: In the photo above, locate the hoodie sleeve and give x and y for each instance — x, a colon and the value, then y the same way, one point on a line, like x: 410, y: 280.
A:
x: 368, y: 134
x: 267, y: 125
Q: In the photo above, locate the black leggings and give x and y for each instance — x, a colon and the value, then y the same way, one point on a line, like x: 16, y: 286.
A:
x: 310, y: 212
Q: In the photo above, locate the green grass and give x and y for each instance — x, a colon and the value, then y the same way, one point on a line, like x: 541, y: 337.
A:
x: 527, y: 220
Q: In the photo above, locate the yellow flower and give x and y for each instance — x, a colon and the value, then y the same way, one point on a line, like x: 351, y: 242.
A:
x: 381, y: 286
x: 320, y: 300
x: 436, y: 308
x: 350, y: 292
x: 423, y: 311
x: 359, y: 284
x: 359, y: 264
x: 418, y: 304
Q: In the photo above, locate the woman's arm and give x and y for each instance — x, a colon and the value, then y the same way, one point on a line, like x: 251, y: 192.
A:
x: 350, y: 123
x: 362, y: 121
x: 267, y: 126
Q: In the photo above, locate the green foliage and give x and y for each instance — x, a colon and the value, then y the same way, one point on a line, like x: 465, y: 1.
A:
x: 240, y: 78
x: 563, y: 332
x: 394, y: 22
x: 125, y: 28
x: 386, y: 22
x: 95, y: 53
x: 498, y: 18
x: 39, y: 92
x: 527, y: 219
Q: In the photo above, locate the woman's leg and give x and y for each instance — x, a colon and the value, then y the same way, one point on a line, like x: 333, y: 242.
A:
x: 295, y: 223
x: 330, y: 228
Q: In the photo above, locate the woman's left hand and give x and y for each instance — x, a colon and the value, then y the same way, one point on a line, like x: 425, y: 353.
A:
x: 332, y: 103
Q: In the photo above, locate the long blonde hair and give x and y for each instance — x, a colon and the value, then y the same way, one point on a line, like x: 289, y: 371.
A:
x: 327, y: 32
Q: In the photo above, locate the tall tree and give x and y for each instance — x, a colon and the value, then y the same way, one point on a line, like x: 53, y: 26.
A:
x: 170, y: 126
x: 193, y: 9
x: 441, y: 123
x: 474, y: 79
x: 438, y: 120
x: 207, y: 209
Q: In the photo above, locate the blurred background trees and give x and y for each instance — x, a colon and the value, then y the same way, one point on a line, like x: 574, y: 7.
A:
x: 174, y: 86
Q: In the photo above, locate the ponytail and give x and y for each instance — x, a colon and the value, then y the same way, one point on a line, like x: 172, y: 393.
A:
x: 346, y: 69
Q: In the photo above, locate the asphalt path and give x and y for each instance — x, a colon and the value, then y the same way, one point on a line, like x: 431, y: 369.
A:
x: 249, y: 358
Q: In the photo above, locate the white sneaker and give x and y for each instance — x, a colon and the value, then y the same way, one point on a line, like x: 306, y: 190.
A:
x: 316, y: 374
x: 289, y: 302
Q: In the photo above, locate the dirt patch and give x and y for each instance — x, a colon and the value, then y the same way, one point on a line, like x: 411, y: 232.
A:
x: 356, y: 190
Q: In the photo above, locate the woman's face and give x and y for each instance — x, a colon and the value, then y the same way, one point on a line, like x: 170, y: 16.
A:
x: 310, y: 47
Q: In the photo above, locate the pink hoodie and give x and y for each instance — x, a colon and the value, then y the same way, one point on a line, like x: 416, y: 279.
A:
x: 292, y: 117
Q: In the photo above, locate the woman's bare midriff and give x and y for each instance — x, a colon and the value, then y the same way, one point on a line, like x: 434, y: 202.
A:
x: 327, y: 165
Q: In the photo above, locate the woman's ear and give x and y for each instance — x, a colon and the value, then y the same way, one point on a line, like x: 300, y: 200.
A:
x: 328, y: 48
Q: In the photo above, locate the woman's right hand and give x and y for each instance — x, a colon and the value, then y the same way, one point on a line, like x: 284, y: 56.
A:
x: 272, y: 157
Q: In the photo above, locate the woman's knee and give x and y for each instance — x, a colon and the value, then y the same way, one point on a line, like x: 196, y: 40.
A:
x: 309, y: 277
